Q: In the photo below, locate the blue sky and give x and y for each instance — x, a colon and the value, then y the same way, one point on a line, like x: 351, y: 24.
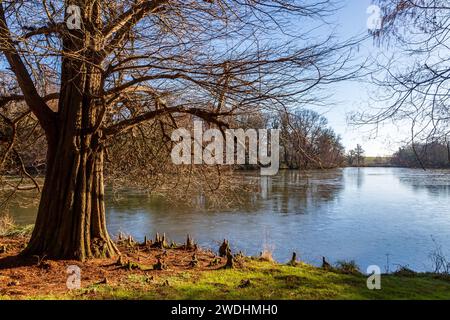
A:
x: 354, y: 95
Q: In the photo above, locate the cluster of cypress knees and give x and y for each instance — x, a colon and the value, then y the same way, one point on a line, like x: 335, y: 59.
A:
x: 160, y: 242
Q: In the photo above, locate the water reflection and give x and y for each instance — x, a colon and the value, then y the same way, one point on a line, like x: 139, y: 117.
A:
x: 296, y: 192
x: 435, y: 182
x: 355, y: 176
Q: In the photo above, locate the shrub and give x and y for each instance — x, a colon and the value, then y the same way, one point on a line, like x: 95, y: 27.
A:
x: 347, y: 267
x: 8, y: 228
x: 6, y: 224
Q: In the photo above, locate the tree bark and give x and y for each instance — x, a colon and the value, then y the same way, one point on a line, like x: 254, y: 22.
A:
x: 71, y: 218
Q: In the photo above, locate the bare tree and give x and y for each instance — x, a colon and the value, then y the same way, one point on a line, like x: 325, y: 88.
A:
x: 414, y: 81
x: 359, y: 155
x: 355, y: 157
x: 135, y: 62
x: 307, y: 141
x: 351, y: 157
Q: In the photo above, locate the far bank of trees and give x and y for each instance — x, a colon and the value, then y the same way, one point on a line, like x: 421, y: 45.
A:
x: 307, y: 142
x: 430, y: 155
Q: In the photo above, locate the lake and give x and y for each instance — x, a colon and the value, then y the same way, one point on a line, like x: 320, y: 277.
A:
x: 375, y: 216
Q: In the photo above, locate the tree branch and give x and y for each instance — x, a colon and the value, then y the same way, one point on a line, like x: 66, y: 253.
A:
x: 35, y: 102
x: 130, y: 123
x: 119, y: 28
x: 17, y: 97
x: 47, y: 30
x: 135, y: 81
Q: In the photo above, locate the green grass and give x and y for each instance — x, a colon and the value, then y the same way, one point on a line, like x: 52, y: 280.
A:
x: 20, y: 231
x: 269, y: 281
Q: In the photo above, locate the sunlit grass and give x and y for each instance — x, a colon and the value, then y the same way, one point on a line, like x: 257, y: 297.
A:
x: 267, y: 280
x: 8, y: 228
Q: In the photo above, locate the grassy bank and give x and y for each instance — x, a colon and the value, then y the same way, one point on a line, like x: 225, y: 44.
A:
x: 251, y: 278
x: 266, y: 280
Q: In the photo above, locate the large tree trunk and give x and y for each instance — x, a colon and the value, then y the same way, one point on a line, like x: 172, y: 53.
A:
x: 71, y: 217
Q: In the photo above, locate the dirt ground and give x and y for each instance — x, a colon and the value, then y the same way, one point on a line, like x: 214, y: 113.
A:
x: 35, y: 276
